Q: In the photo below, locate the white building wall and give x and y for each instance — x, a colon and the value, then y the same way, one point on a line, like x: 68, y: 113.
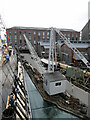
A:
x: 46, y: 87
x: 57, y: 89
x: 89, y: 10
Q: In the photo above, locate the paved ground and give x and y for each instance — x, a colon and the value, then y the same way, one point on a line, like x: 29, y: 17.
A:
x: 36, y: 63
x: 6, y: 81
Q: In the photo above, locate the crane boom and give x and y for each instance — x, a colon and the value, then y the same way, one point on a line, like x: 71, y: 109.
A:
x: 70, y: 45
x: 51, y: 51
x: 34, y: 55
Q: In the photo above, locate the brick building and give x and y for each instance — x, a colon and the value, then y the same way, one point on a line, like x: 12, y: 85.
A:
x: 35, y: 35
x: 68, y: 56
x: 86, y: 31
x: 86, y: 28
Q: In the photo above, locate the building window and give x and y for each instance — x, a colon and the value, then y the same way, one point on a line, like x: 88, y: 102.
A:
x: 39, y: 35
x: 47, y: 35
x: 58, y: 84
x: 34, y: 38
x: 43, y: 33
x: 47, y: 38
x: 34, y: 42
x: 29, y: 33
x: 34, y: 33
x: 20, y: 32
x: 69, y: 36
x: 15, y: 33
x: 29, y: 36
x: 25, y: 32
x: 15, y: 37
x: 39, y: 38
x: 43, y: 37
x: 72, y: 36
x: 20, y: 37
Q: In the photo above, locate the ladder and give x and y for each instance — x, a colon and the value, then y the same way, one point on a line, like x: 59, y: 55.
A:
x: 70, y: 45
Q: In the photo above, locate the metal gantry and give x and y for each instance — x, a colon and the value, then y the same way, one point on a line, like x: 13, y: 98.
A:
x: 74, y: 49
x: 52, y: 51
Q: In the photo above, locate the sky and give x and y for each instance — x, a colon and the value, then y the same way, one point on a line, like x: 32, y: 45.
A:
x: 70, y: 14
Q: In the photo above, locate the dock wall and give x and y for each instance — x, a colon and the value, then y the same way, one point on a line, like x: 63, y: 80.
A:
x: 82, y: 95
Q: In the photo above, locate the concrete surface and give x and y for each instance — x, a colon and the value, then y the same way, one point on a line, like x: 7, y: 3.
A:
x: 6, y: 81
x: 80, y: 94
x: 36, y: 63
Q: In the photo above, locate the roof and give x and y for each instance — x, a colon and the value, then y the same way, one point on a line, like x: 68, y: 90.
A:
x: 31, y: 28
x: 40, y: 28
x: 55, y: 76
x: 88, y: 22
x: 77, y: 44
x: 46, y: 61
x: 45, y: 43
x: 65, y: 29
x: 47, y: 47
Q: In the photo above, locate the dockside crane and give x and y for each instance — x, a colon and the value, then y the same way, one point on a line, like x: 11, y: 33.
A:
x: 52, y: 50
